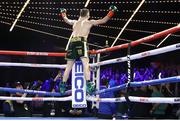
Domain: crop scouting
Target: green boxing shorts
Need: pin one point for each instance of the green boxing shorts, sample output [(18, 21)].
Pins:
[(77, 49)]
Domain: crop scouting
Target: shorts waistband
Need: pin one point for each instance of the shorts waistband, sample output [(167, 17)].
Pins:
[(75, 39)]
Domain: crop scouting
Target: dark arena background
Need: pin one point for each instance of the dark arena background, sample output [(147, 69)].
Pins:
[(41, 29)]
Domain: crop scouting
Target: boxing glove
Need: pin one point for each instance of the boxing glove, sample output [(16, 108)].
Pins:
[(63, 12), (112, 10)]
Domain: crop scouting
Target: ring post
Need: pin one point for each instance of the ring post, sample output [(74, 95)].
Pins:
[(96, 80), (78, 86), (129, 78)]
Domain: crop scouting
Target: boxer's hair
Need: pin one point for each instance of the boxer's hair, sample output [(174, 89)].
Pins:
[(84, 12)]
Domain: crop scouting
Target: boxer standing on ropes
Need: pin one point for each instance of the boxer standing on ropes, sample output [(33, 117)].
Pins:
[(77, 48)]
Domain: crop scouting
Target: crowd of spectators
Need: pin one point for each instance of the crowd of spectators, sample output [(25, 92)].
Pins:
[(110, 76), (154, 70), (151, 71)]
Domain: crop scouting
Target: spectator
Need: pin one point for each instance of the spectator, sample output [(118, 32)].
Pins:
[(138, 74), (107, 109), (123, 78), (167, 92), (8, 108), (122, 107), (17, 108), (36, 105), (158, 110), (143, 108)]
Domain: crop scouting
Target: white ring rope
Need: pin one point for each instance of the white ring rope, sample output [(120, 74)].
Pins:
[(172, 100), (36, 98), (112, 61), (140, 55), (33, 65)]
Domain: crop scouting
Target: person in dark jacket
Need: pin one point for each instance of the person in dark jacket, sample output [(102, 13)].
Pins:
[(143, 108), (16, 108), (8, 108)]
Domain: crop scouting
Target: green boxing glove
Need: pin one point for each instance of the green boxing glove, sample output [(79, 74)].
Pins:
[(113, 8), (63, 12)]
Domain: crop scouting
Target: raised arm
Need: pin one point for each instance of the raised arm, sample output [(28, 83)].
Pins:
[(64, 16), (112, 10)]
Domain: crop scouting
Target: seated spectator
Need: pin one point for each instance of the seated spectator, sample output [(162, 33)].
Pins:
[(8, 108), (143, 108), (148, 74), (158, 110), (107, 109), (16, 108), (112, 83), (36, 105), (123, 78), (167, 91), (138, 75), (178, 113), (122, 107)]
